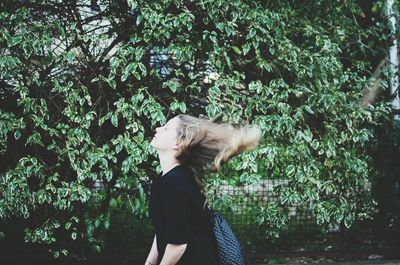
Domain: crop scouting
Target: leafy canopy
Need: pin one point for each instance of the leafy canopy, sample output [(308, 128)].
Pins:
[(84, 84)]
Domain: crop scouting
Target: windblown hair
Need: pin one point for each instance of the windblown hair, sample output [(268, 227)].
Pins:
[(207, 145)]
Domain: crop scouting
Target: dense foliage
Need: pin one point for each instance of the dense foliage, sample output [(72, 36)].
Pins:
[(85, 83)]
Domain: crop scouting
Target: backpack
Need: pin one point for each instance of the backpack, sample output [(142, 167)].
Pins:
[(229, 251)]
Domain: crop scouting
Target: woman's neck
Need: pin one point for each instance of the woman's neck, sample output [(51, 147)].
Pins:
[(168, 163)]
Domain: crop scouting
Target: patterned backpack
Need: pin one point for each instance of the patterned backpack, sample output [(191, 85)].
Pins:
[(229, 250)]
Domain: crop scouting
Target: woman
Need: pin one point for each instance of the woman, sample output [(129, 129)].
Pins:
[(187, 147)]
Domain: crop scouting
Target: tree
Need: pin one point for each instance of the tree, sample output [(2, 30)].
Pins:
[(83, 85)]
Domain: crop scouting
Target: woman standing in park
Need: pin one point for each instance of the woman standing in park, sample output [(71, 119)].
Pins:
[(187, 148)]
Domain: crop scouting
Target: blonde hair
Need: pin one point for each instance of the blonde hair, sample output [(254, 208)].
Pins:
[(207, 145)]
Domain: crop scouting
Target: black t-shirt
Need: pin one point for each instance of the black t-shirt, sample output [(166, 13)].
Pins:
[(176, 210)]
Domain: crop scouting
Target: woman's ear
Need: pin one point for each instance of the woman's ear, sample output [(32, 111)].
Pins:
[(179, 147), (178, 144)]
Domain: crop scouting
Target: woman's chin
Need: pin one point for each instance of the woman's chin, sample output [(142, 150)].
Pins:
[(153, 142)]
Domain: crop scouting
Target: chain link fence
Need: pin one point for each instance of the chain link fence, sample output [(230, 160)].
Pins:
[(245, 204)]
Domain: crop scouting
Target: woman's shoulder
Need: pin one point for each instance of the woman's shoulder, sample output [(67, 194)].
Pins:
[(179, 176)]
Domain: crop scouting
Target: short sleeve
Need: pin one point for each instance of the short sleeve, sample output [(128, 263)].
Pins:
[(177, 212)]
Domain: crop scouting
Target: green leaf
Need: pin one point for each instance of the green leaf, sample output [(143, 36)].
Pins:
[(114, 120), (70, 57), (14, 41), (236, 50), (17, 134), (246, 49), (68, 225), (251, 34), (142, 68), (308, 109), (290, 170), (348, 220)]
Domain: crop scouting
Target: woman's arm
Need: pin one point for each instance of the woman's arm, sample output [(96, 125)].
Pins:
[(173, 253), (153, 254)]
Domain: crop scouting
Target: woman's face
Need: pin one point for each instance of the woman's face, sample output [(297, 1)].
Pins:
[(166, 136)]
